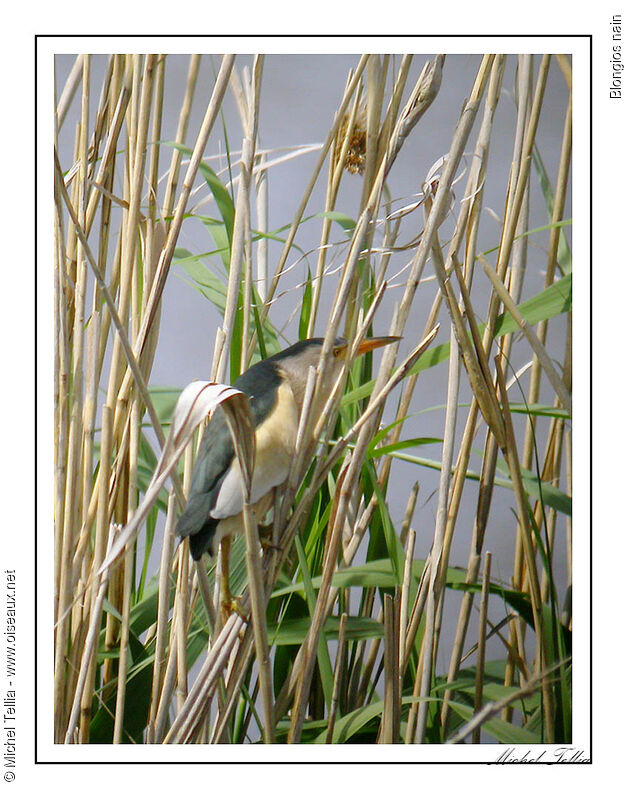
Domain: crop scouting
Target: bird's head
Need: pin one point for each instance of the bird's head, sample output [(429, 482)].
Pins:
[(297, 359)]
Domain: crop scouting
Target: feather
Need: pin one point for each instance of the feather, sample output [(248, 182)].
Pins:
[(216, 460)]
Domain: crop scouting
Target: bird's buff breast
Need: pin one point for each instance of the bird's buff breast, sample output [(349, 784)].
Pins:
[(275, 441)]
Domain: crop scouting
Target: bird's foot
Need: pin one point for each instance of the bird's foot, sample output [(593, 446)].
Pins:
[(269, 545), (233, 604), (265, 539)]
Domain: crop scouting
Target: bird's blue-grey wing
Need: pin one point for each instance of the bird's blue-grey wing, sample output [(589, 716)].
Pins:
[(215, 456), (216, 452), (216, 491)]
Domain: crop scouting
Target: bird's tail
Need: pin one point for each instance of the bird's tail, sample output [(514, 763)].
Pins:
[(196, 524), (202, 541)]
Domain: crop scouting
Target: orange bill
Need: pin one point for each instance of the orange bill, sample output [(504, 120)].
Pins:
[(368, 344)]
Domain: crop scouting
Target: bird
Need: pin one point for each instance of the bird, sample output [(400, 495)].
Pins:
[(276, 391)]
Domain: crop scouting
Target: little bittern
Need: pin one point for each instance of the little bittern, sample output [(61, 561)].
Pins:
[(276, 389)]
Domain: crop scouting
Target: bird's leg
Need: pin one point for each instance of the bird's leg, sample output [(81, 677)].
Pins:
[(226, 599), (229, 603), (225, 587)]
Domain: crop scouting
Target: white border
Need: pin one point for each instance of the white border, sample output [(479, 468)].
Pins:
[(441, 753)]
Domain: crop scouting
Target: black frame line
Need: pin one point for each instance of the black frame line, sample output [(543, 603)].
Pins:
[(304, 36)]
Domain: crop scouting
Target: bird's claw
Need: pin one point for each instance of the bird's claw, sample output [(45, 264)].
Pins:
[(233, 604), (268, 543)]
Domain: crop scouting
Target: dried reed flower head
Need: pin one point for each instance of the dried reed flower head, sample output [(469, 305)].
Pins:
[(355, 159)]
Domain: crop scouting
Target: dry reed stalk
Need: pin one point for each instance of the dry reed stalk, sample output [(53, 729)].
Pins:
[(163, 687), (155, 140), (167, 252), (511, 218), (237, 675), (527, 140), (137, 141), (72, 499), (101, 182), (62, 407), (162, 620), (481, 639), (338, 676), (261, 204), (245, 450), (511, 455), (167, 689), (412, 717), (486, 487), (391, 114), (404, 601), (103, 531), (476, 193), (205, 592), (134, 367), (534, 385), (391, 718), (258, 618), (543, 517), (180, 624), (336, 168), (437, 214), (358, 686), (69, 90), (535, 343), (565, 66), (241, 223), (181, 135), (120, 328), (376, 79), (303, 204), (61, 384), (247, 288), (248, 101), (416, 613), (403, 406), (365, 683), (196, 704), (123, 663), (362, 156), (310, 646), (436, 583), (429, 236), (138, 113), (474, 356), (103, 194), (557, 434), (424, 93), (137, 121), (557, 215), (85, 676), (90, 407)]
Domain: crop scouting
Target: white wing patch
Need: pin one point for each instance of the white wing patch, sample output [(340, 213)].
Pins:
[(275, 442)]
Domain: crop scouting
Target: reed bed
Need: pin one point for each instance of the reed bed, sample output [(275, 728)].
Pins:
[(340, 638)]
